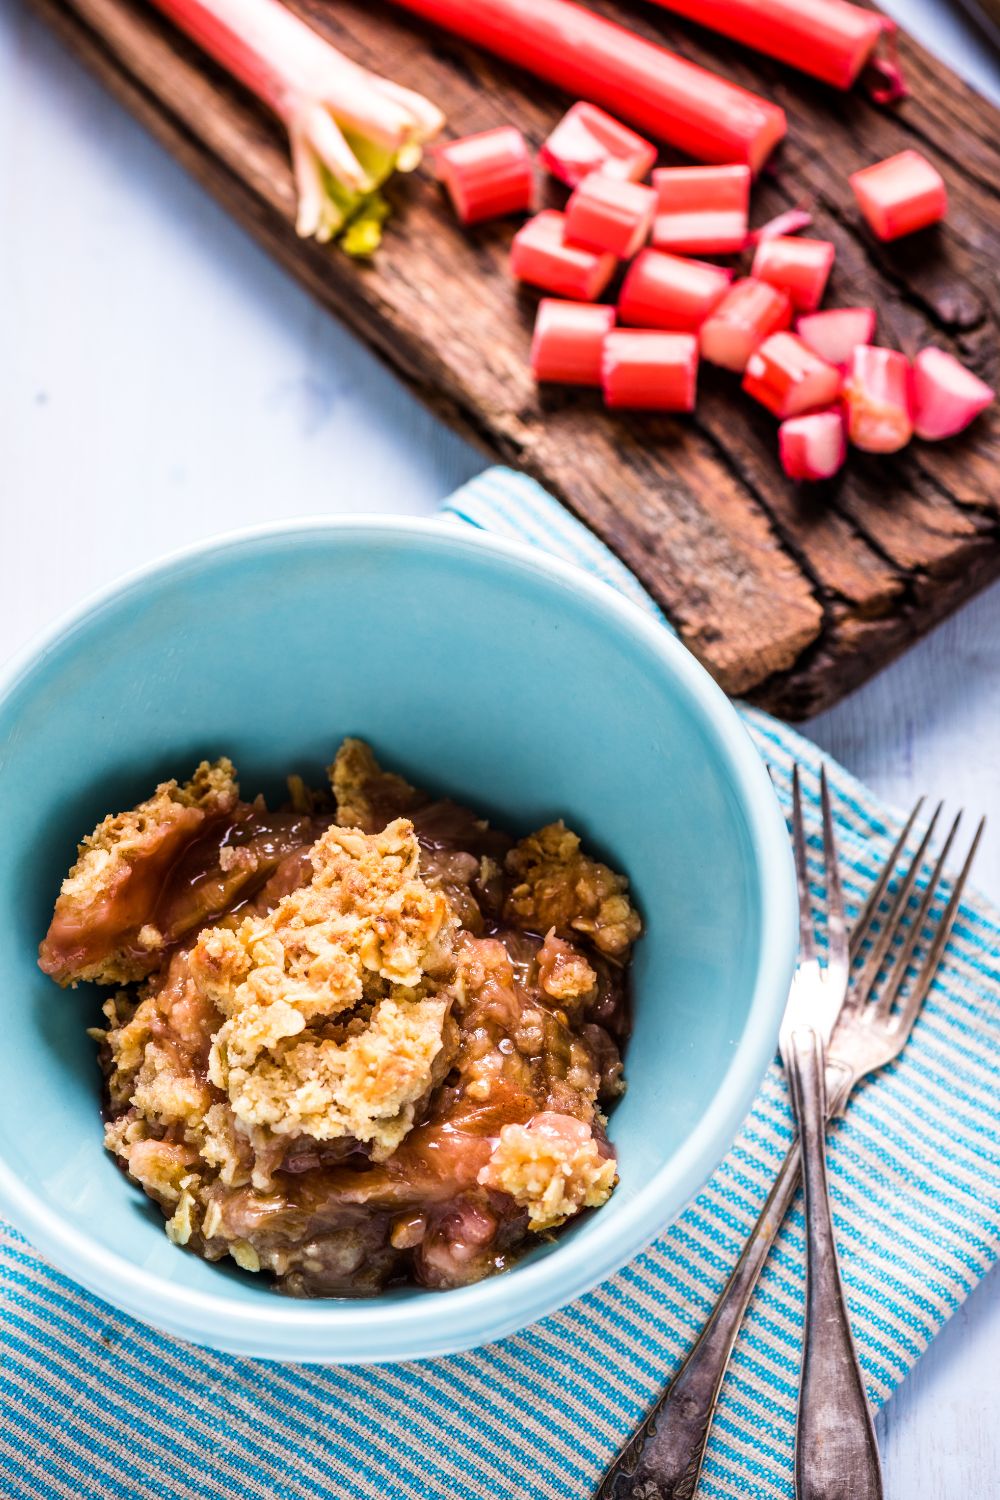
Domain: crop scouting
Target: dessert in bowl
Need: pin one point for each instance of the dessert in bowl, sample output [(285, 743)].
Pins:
[(359, 1039), (503, 681)]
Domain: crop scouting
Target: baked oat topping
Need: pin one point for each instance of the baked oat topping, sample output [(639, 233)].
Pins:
[(559, 886), (355, 1041), (553, 1166)]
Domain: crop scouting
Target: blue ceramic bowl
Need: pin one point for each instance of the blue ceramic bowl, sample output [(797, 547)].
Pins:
[(477, 666)]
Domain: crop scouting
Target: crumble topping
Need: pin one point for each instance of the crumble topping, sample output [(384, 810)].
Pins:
[(367, 796), (342, 1052), (552, 1166), (365, 919), (563, 973), (561, 887)]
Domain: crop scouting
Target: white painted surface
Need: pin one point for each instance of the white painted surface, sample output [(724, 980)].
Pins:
[(160, 380)]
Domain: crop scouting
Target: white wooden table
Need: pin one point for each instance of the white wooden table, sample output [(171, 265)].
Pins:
[(161, 380)]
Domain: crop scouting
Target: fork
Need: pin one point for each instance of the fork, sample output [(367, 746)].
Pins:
[(836, 1453), (662, 1458), (836, 1450)]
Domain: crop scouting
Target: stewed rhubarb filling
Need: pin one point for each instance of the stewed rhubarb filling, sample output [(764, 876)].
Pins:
[(360, 1040)]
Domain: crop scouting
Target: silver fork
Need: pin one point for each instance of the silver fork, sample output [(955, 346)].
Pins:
[(662, 1458), (836, 1451)]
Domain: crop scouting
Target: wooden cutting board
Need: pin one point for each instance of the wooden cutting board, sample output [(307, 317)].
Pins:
[(790, 598)]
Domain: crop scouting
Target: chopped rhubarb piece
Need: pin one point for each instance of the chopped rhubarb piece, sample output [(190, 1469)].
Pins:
[(835, 334), (946, 396), (900, 194), (814, 446), (540, 255), (568, 341), (877, 393), (748, 313), (790, 222), (789, 378), (488, 174), (650, 371), (701, 210), (664, 291), (605, 214), (800, 267), (588, 140)]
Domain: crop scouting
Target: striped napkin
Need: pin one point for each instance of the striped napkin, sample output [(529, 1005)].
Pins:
[(95, 1404)]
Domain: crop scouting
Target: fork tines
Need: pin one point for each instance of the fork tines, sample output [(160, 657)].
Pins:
[(895, 936)]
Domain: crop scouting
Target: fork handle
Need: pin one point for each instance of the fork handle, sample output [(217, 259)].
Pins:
[(836, 1452), (668, 1447), (663, 1457)]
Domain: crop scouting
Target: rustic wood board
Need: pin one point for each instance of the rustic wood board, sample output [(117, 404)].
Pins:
[(790, 599)]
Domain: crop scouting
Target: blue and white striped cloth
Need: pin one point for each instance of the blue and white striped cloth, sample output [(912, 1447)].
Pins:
[(95, 1404)]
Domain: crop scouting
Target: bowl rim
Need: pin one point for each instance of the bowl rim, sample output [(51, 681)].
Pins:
[(370, 1330)]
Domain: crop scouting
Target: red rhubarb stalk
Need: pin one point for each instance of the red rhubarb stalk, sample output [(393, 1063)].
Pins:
[(836, 333), (647, 371), (748, 314), (664, 291), (701, 210), (946, 396), (588, 140), (568, 341), (799, 266), (901, 194), (813, 447), (877, 396), (348, 128), (788, 378), (540, 255), (605, 214), (830, 39), (672, 100), (487, 174)]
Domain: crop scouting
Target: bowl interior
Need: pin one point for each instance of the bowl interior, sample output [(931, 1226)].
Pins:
[(474, 669)]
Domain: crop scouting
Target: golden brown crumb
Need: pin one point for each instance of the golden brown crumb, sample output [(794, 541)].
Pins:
[(367, 797), (563, 972), (365, 928), (552, 1167), (94, 934), (560, 887), (366, 1087)]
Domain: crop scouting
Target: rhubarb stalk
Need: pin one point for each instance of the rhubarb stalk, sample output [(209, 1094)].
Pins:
[(701, 210), (676, 102), (878, 398), (787, 378), (540, 255), (900, 194), (488, 174), (568, 341), (814, 446), (946, 396), (588, 140), (348, 128), (748, 314), (646, 371), (830, 39), (606, 214)]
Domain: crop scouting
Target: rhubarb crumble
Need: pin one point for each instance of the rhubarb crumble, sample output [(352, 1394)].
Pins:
[(362, 1039)]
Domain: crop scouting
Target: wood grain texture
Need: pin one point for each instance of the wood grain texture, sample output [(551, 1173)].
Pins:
[(790, 599)]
